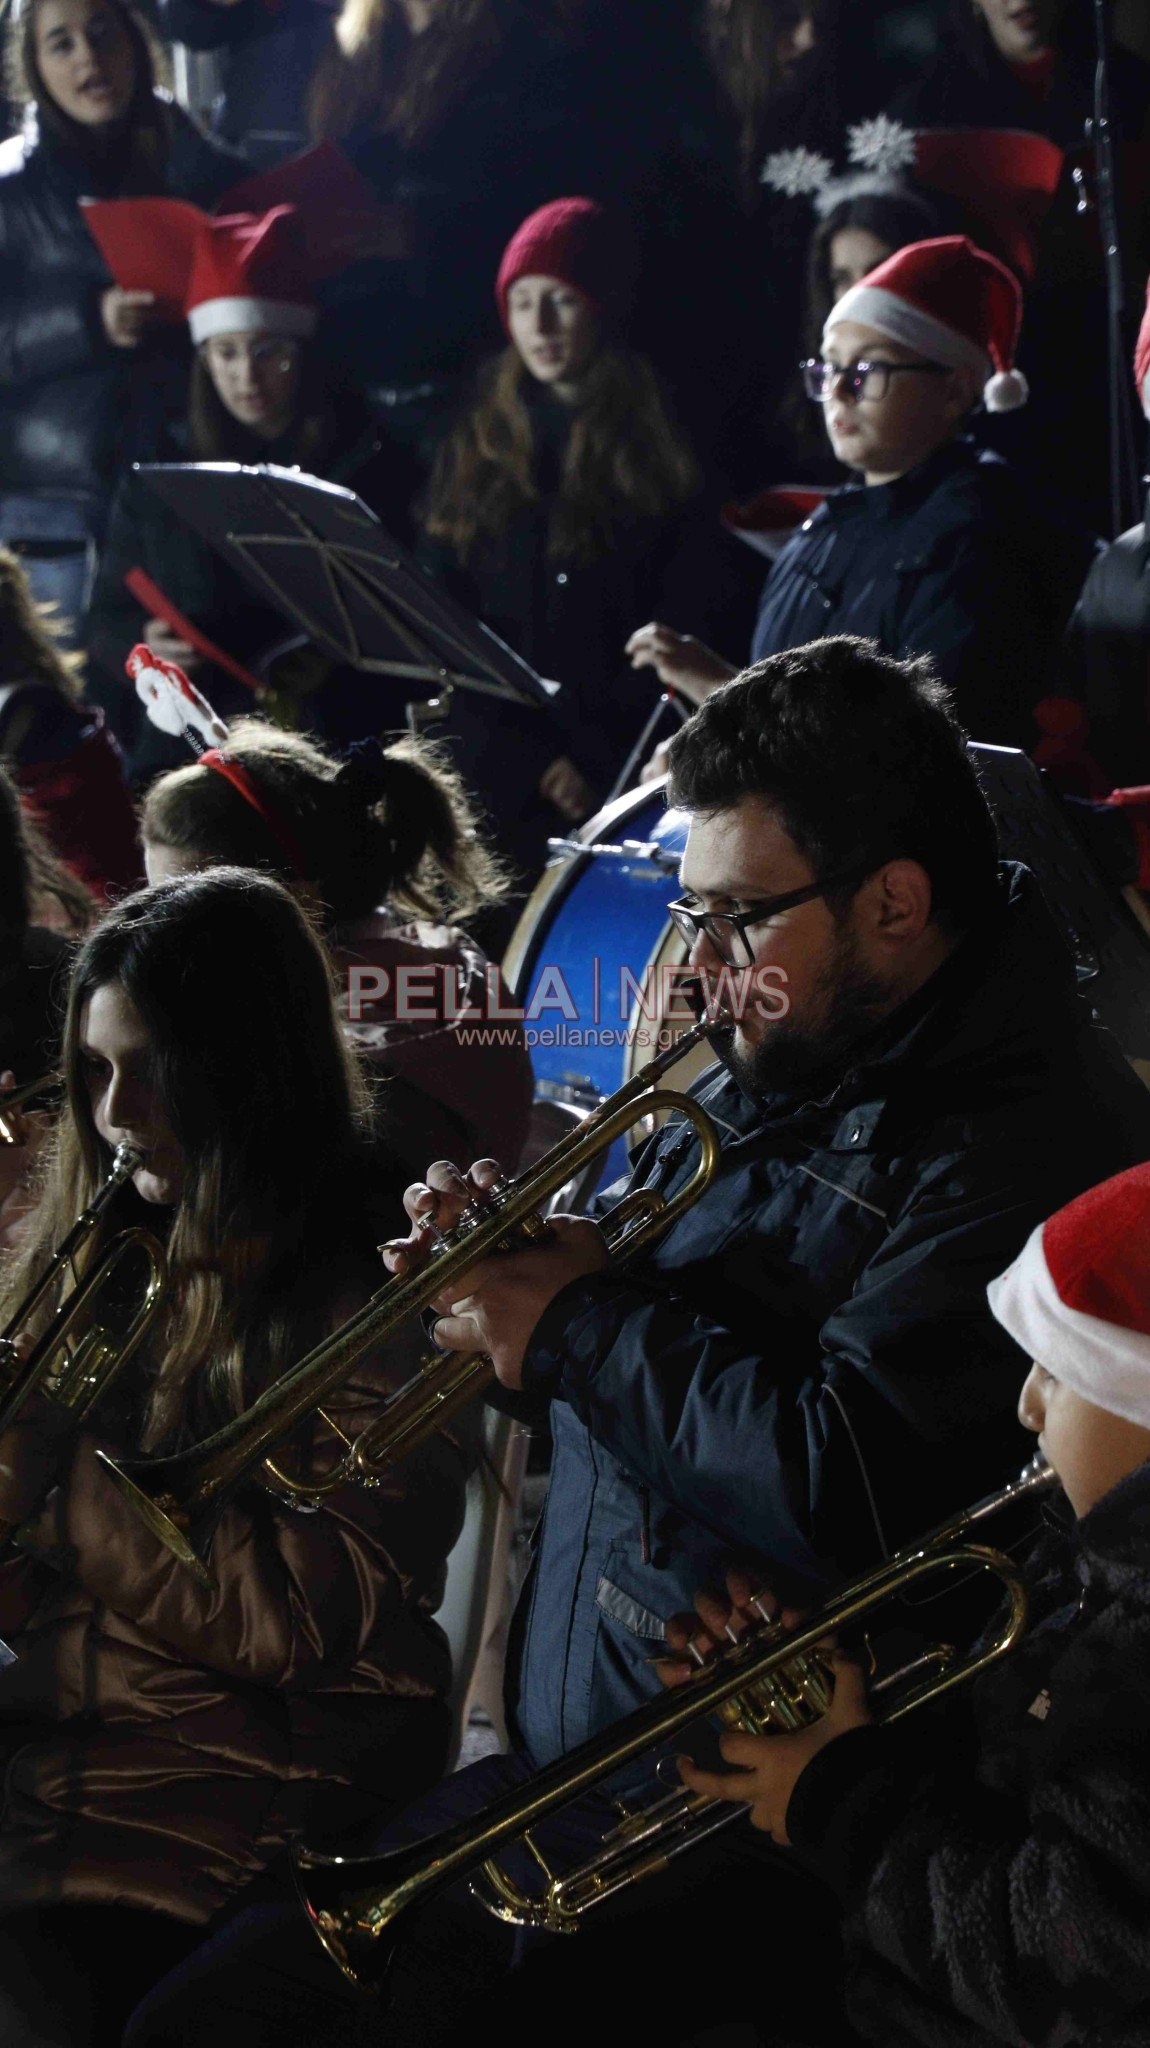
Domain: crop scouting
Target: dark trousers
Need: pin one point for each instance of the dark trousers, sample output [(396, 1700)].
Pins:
[(70, 1975), (712, 1942)]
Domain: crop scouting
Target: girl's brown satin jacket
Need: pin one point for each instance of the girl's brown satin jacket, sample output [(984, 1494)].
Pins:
[(162, 1743)]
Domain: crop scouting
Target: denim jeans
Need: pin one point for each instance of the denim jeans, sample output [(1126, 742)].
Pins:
[(55, 539)]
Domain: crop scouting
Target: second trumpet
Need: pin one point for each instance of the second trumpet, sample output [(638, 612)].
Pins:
[(180, 1497)]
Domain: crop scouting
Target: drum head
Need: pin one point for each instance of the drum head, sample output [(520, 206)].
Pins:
[(595, 960)]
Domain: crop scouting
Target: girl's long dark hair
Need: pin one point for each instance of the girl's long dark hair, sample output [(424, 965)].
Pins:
[(624, 460), (132, 152), (894, 214), (391, 825), (742, 41), (268, 1109), (374, 74)]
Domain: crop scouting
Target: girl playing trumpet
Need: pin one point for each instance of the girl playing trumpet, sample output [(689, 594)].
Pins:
[(162, 1741)]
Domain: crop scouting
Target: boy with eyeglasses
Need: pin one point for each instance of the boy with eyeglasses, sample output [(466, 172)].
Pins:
[(935, 546)]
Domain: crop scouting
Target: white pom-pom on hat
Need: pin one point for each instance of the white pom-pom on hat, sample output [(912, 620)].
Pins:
[(953, 302), (1006, 391)]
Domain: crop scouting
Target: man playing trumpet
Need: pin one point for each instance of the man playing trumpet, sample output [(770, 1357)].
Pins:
[(804, 1374)]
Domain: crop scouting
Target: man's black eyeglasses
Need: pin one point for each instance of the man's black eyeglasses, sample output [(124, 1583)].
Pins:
[(863, 380), (722, 927)]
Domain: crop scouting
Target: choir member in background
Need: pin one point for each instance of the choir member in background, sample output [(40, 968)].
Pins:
[(261, 390), (939, 547), (73, 346), (564, 496)]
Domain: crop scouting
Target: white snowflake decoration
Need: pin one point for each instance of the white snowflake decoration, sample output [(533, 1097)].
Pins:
[(882, 145), (796, 172)]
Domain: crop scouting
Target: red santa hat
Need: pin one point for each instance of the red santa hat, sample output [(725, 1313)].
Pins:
[(572, 240), (954, 303), (248, 276), (1004, 179), (240, 272), (1142, 359), (1077, 1298)]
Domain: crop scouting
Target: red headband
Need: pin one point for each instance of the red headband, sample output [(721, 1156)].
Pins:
[(280, 830)]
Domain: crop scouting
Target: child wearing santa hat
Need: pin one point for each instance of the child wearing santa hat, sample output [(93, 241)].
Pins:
[(260, 391), (936, 546), (994, 1858)]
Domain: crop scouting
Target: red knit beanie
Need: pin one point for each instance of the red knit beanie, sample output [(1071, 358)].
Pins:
[(1077, 1297), (571, 240)]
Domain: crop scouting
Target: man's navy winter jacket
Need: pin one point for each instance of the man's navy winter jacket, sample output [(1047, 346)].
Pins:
[(806, 1371), (956, 560)]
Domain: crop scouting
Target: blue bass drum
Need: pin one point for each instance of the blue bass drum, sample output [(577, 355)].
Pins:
[(596, 961)]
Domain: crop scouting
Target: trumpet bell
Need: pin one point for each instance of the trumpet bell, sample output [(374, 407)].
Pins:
[(360, 1929)]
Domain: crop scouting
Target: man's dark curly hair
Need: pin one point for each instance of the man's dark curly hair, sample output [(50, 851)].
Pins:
[(864, 761)]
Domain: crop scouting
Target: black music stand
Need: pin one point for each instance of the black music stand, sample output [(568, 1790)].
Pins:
[(1111, 948), (316, 553)]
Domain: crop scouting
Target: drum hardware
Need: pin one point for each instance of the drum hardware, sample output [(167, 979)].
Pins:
[(663, 858)]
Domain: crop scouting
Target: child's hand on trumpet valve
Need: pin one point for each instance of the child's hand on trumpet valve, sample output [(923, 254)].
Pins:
[(768, 1766)]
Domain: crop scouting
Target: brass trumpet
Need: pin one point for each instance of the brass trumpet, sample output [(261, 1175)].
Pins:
[(180, 1497), (76, 1357), (765, 1680)]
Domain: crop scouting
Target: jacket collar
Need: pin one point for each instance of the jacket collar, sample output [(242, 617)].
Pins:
[(906, 494)]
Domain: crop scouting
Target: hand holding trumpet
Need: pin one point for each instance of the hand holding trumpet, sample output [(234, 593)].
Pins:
[(503, 1297), (768, 1766)]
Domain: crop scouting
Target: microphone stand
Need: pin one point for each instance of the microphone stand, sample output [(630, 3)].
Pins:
[(1124, 478)]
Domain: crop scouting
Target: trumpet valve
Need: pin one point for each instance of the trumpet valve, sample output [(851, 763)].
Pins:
[(78, 1379)]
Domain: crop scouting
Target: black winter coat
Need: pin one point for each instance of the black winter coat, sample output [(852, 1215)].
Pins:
[(999, 1857), (571, 619), (65, 392), (807, 1370), (957, 560)]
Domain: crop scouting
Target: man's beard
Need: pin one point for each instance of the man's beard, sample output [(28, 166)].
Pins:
[(795, 1058)]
